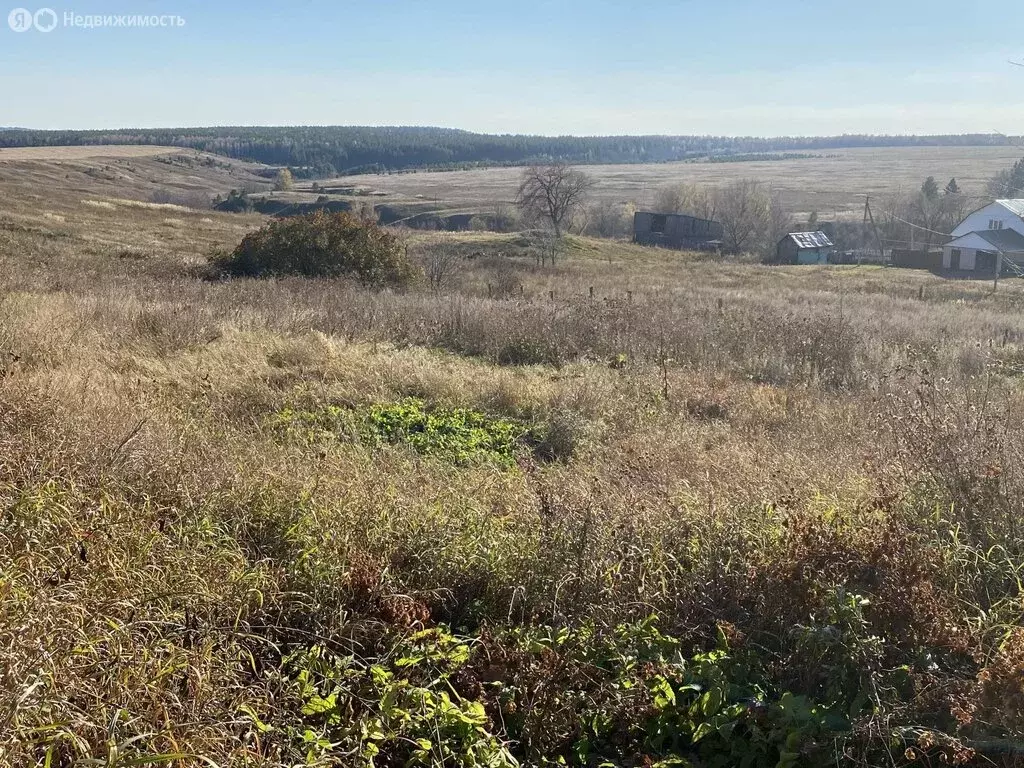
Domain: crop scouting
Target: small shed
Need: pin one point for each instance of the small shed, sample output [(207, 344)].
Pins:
[(675, 230), (804, 248)]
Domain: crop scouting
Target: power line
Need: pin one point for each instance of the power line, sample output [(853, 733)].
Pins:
[(918, 226), (898, 240)]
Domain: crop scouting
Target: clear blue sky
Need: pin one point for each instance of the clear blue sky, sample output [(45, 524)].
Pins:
[(733, 67)]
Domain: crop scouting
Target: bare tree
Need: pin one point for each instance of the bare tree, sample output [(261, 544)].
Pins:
[(955, 207), (752, 215), (440, 266), (553, 192), (608, 219), (691, 199), (744, 208), (778, 223), (928, 216), (917, 220), (504, 217)]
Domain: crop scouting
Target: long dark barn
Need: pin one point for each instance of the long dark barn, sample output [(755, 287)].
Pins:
[(676, 230)]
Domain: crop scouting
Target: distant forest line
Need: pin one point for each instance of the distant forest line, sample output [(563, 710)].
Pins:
[(348, 150)]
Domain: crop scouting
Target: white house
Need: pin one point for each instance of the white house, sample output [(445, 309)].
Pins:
[(995, 231)]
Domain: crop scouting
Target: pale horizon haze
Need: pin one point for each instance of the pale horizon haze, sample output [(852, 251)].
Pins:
[(594, 68)]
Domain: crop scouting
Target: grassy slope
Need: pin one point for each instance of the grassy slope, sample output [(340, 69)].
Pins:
[(85, 153), (736, 449)]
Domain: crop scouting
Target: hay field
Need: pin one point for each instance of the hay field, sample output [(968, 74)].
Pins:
[(833, 184)]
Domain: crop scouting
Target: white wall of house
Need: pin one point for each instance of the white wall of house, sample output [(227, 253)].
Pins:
[(968, 258), (981, 219)]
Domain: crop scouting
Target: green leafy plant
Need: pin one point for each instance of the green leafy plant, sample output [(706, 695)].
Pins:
[(403, 711), (588, 697), (458, 435), (839, 646)]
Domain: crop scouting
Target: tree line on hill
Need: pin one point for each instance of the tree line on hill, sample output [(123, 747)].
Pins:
[(323, 151)]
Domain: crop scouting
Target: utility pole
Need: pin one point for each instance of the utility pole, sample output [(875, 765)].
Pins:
[(869, 217), (865, 222), (999, 268)]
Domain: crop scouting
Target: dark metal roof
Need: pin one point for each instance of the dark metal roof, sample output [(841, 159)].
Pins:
[(1003, 239), (811, 239), (674, 216)]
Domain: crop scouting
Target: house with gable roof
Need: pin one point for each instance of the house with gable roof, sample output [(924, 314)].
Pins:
[(989, 237)]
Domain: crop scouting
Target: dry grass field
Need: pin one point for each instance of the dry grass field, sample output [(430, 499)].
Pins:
[(65, 177), (833, 183), (83, 153), (645, 509)]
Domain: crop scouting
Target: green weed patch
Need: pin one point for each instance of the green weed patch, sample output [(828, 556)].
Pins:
[(460, 436), (552, 697)]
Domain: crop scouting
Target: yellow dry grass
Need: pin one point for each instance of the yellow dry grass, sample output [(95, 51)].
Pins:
[(11, 154), (833, 182)]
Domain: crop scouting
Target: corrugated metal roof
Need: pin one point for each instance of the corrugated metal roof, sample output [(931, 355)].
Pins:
[(1004, 239), (1015, 206), (811, 239), (963, 240)]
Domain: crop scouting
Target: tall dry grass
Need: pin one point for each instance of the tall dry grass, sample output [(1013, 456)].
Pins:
[(719, 445)]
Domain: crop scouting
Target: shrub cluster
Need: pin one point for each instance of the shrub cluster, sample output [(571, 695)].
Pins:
[(322, 244)]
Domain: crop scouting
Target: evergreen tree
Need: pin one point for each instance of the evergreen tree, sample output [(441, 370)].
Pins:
[(1008, 184), (930, 189)]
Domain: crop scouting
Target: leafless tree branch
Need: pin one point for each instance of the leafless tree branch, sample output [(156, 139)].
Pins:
[(553, 192)]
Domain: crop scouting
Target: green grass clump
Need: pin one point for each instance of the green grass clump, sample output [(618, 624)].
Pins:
[(460, 436)]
